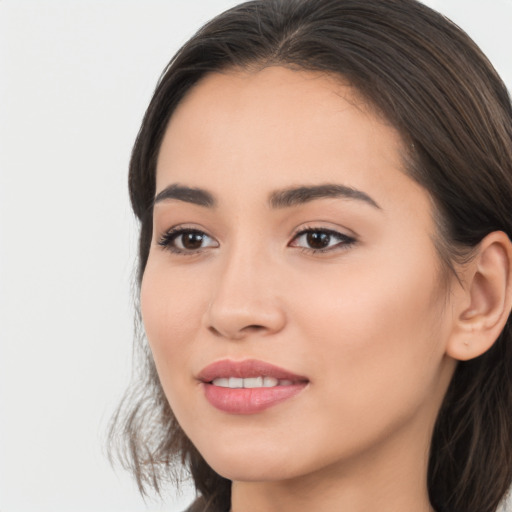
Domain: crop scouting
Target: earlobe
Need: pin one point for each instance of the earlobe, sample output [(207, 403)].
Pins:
[(486, 299)]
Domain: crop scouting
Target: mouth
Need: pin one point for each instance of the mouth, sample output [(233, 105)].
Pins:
[(251, 382), (249, 386)]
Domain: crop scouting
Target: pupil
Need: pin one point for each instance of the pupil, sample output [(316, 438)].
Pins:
[(192, 240), (318, 240)]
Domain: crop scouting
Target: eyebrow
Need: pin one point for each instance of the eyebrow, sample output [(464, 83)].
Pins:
[(187, 194), (293, 196), (284, 198)]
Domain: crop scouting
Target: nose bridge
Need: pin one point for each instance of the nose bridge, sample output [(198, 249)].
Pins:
[(244, 298)]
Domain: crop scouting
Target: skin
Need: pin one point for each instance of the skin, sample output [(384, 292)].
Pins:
[(367, 322)]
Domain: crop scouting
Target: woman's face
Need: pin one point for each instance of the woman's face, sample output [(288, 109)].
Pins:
[(287, 234)]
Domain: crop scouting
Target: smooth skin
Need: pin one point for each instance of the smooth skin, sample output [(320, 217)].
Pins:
[(372, 320)]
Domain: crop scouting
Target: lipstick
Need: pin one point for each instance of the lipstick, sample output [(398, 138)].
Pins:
[(249, 386)]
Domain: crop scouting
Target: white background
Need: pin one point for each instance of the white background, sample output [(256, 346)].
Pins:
[(75, 78)]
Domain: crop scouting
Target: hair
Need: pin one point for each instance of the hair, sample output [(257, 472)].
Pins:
[(430, 81)]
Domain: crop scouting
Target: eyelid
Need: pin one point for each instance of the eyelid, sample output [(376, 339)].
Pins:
[(166, 239), (345, 240)]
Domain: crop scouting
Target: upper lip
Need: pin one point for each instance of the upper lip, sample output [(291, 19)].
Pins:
[(246, 369)]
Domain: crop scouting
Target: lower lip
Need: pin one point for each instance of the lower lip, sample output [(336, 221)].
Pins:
[(249, 400)]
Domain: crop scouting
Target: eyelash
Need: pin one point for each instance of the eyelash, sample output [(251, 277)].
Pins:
[(168, 240), (344, 241)]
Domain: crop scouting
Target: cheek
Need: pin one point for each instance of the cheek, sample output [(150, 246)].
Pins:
[(377, 332), (171, 315)]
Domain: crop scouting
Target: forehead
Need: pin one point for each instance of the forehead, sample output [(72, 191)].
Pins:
[(269, 86), (268, 97), (280, 127)]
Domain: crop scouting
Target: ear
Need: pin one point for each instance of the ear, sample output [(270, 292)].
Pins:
[(483, 303)]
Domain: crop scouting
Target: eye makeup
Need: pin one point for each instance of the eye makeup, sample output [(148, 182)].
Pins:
[(186, 240)]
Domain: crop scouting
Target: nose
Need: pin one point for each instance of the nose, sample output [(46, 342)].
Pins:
[(245, 299)]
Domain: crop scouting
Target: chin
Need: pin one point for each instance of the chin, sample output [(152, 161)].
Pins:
[(244, 471), (251, 465)]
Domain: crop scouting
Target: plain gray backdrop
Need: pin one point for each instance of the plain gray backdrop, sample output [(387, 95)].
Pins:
[(75, 79)]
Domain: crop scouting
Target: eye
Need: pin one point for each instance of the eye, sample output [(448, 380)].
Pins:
[(321, 240), (186, 240)]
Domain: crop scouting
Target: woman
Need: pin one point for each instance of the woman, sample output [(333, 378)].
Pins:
[(324, 191)]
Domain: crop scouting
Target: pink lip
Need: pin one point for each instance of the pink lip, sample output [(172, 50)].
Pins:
[(246, 369), (251, 400)]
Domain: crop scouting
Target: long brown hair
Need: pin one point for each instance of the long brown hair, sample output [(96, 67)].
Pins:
[(432, 83)]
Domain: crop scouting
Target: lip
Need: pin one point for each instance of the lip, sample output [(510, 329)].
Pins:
[(246, 369), (248, 400)]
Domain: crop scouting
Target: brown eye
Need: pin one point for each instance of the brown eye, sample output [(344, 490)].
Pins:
[(191, 241), (318, 239), (186, 241), (321, 240)]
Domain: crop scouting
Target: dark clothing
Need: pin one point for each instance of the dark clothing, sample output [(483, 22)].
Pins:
[(200, 506)]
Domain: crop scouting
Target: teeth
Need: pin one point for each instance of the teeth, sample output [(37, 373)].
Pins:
[(223, 383), (251, 382), (234, 382), (269, 382)]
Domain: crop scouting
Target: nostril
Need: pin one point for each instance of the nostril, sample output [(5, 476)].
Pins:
[(228, 317), (239, 332), (214, 331), (251, 328)]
